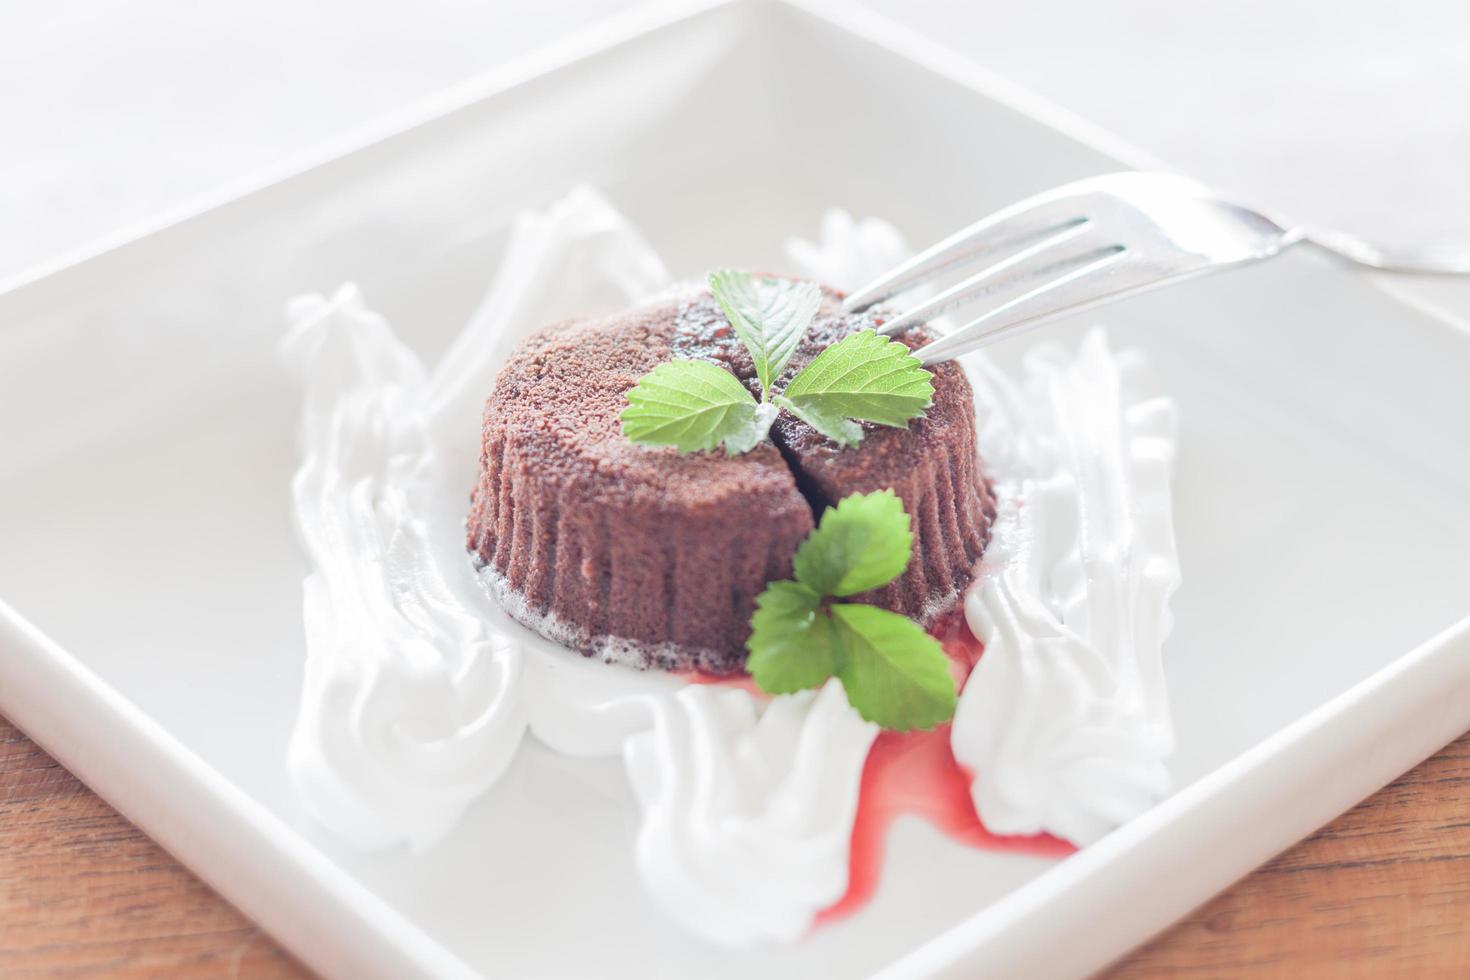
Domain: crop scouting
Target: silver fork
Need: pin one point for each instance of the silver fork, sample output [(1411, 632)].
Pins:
[(1076, 247)]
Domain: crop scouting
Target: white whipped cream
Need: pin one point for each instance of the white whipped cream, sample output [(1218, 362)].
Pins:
[(419, 690), (730, 793), (410, 707), (1065, 721)]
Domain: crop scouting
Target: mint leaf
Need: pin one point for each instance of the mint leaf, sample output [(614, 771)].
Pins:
[(746, 439), (770, 316), (694, 405), (793, 645), (895, 674), (842, 431), (862, 543), (863, 376)]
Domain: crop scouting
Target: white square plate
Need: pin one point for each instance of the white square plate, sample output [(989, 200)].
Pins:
[(147, 447)]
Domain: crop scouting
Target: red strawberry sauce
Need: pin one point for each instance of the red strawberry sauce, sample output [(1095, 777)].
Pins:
[(916, 772)]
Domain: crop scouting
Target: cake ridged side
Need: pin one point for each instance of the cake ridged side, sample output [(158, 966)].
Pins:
[(951, 507), (934, 469), (615, 589)]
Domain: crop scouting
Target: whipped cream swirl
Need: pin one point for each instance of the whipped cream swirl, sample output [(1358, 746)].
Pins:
[(730, 792), (1065, 721), (410, 707)]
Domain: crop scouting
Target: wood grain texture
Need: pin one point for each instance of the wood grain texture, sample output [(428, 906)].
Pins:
[(1383, 891), (83, 893)]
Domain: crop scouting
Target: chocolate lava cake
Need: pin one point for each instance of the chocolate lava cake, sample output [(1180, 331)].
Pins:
[(640, 555)]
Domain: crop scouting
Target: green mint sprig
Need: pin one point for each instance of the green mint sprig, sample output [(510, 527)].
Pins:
[(770, 316), (862, 378), (695, 405), (895, 673)]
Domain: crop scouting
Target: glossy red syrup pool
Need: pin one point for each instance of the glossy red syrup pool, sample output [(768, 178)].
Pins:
[(916, 772)]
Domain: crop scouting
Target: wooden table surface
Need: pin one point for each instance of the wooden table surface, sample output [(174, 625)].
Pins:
[(1382, 891)]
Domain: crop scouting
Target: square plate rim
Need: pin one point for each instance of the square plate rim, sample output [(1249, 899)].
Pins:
[(384, 942)]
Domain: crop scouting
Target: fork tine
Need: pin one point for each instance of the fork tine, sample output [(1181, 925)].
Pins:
[(1042, 304), (1021, 265), (1017, 227)]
